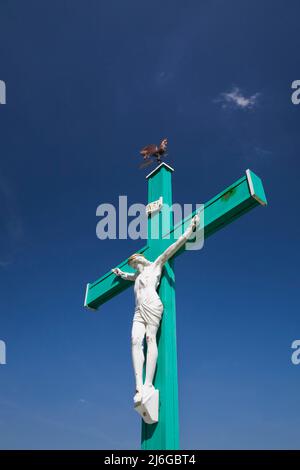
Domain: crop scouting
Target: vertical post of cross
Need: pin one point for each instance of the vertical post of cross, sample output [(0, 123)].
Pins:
[(165, 433)]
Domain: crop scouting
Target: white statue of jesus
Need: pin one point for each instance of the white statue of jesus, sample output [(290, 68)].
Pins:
[(148, 311)]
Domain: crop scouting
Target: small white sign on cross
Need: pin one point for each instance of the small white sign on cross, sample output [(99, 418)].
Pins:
[(154, 206)]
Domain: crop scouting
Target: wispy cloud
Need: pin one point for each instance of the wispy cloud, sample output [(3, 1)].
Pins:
[(162, 78), (262, 153), (236, 99)]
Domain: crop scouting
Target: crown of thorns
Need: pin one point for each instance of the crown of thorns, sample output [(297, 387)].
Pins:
[(134, 256)]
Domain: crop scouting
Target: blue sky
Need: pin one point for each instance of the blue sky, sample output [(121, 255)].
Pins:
[(88, 84)]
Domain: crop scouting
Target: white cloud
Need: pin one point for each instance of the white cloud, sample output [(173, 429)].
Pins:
[(236, 99)]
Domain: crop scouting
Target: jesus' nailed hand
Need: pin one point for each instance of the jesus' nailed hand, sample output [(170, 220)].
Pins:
[(149, 310)]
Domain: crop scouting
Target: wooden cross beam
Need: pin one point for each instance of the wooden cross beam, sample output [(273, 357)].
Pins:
[(237, 199)]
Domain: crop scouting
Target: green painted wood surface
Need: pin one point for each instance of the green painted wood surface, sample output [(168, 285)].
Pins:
[(165, 433), (219, 211), (259, 191)]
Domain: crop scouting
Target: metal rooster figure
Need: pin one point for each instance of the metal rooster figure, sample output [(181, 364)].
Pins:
[(154, 153)]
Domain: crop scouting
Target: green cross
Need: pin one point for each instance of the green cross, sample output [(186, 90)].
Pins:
[(237, 199)]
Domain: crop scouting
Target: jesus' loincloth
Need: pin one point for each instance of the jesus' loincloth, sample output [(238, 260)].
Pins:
[(149, 312)]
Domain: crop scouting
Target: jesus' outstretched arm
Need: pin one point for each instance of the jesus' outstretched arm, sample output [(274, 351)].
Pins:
[(172, 249), (124, 275)]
